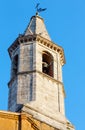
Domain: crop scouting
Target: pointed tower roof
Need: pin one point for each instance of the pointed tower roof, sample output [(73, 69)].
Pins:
[(36, 31), (37, 26)]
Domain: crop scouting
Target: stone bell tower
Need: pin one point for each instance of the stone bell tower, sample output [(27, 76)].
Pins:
[(36, 85)]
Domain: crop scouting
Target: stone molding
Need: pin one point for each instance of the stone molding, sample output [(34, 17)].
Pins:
[(36, 37), (60, 125), (34, 71)]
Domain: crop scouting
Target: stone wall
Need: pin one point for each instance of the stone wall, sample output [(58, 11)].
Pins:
[(22, 86)]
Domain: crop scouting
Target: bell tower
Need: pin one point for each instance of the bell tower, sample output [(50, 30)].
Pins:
[(36, 85)]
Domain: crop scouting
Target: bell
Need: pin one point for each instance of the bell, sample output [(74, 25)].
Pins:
[(45, 65)]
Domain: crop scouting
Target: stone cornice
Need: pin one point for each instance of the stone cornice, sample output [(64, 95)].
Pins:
[(52, 46), (36, 37), (13, 46), (45, 42)]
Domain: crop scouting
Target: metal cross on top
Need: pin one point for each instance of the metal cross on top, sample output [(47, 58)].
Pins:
[(38, 10)]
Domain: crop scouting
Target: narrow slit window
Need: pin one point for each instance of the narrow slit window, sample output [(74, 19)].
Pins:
[(15, 66)]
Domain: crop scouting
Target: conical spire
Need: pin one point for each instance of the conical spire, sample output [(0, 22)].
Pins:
[(37, 26)]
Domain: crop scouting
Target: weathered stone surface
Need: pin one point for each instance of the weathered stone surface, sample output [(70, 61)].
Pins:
[(37, 26), (26, 58), (26, 88)]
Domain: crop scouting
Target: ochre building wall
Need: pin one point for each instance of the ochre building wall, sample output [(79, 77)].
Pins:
[(21, 121)]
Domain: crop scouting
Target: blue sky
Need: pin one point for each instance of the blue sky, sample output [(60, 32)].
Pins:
[(65, 22)]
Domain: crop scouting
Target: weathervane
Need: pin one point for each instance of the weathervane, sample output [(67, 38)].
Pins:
[(38, 10)]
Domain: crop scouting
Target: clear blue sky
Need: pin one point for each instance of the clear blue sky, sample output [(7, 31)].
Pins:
[(65, 22)]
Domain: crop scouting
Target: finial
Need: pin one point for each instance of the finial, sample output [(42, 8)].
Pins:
[(38, 10), (36, 13)]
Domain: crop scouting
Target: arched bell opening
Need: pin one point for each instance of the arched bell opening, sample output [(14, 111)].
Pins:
[(47, 63)]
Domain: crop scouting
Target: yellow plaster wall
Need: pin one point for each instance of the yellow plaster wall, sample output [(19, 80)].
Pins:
[(21, 121), (8, 121), (8, 124)]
